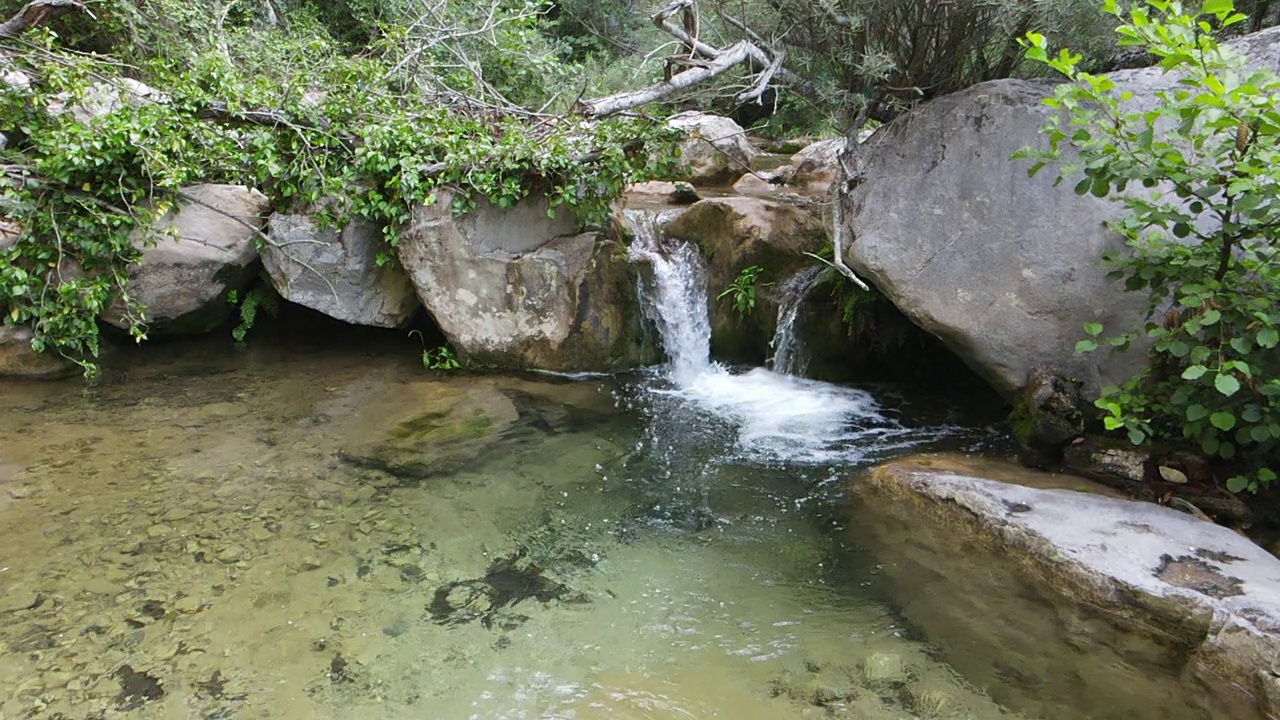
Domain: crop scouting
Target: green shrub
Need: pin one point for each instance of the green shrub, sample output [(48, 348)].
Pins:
[(1199, 176)]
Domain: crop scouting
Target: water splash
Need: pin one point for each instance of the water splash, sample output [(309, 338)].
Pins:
[(769, 416), (786, 345)]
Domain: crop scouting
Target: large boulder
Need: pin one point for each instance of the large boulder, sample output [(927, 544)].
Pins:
[(735, 233), (716, 150), (1005, 269), (192, 257), (336, 272), (515, 288), (1106, 606), (17, 359)]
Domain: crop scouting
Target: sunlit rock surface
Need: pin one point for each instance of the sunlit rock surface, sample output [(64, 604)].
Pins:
[(716, 150), (1009, 564)]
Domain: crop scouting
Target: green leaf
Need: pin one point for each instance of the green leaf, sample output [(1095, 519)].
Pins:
[(1093, 329), (1085, 346), (1195, 372), (1228, 385), (1237, 484), (1268, 338), (1217, 7), (1196, 412), (1224, 420)]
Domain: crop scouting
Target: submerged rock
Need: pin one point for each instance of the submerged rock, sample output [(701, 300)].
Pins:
[(337, 272), (516, 288), (716, 151), (1094, 601), (17, 359), (192, 257)]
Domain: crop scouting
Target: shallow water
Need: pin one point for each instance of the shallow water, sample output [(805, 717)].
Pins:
[(283, 533)]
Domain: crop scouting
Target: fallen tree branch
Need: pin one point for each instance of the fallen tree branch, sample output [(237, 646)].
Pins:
[(36, 13), (766, 64), (222, 113), (635, 98)]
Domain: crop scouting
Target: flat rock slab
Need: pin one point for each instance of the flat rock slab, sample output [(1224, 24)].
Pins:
[(1075, 604)]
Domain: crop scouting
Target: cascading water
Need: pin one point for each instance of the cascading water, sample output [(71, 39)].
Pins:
[(786, 346), (773, 417)]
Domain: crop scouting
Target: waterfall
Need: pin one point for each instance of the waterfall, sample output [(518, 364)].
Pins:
[(785, 344), (771, 416), (678, 302)]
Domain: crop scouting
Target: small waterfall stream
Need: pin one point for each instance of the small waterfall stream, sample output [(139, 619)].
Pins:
[(775, 417), (787, 349)]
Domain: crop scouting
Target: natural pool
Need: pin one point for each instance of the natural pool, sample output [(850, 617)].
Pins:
[(283, 532)]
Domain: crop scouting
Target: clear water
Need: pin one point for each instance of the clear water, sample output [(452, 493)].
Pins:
[(293, 533)]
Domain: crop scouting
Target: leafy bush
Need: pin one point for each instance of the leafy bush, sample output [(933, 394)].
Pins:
[(84, 194), (1199, 176)]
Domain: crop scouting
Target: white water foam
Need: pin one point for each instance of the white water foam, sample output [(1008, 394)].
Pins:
[(776, 417)]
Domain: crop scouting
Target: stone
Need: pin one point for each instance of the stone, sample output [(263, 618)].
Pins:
[(715, 151), (880, 668), (816, 166), (232, 553), (663, 191), (104, 98), (337, 272), (1098, 601), (1172, 475), (518, 289), (735, 233), (1107, 459), (1047, 416), (17, 359), (13, 600), (756, 183), (1005, 269), (192, 257)]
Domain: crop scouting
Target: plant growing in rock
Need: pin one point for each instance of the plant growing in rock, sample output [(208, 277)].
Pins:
[(742, 291), (1199, 176)]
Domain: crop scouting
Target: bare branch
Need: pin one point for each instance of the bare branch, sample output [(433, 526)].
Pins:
[(36, 13), (614, 104)]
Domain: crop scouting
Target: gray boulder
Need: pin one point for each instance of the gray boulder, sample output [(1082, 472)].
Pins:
[(1108, 607), (815, 167), (1004, 269), (716, 150), (17, 359), (192, 257), (514, 288), (336, 272)]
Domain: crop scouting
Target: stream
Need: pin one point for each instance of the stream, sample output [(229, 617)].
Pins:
[(317, 528)]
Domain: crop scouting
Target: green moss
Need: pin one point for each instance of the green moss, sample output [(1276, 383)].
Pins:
[(432, 426)]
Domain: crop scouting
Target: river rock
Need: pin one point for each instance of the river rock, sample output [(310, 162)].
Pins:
[(516, 288), (716, 150), (1005, 269), (1097, 601), (738, 232), (1046, 417), (192, 257), (17, 359), (337, 272), (104, 98), (816, 166)]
